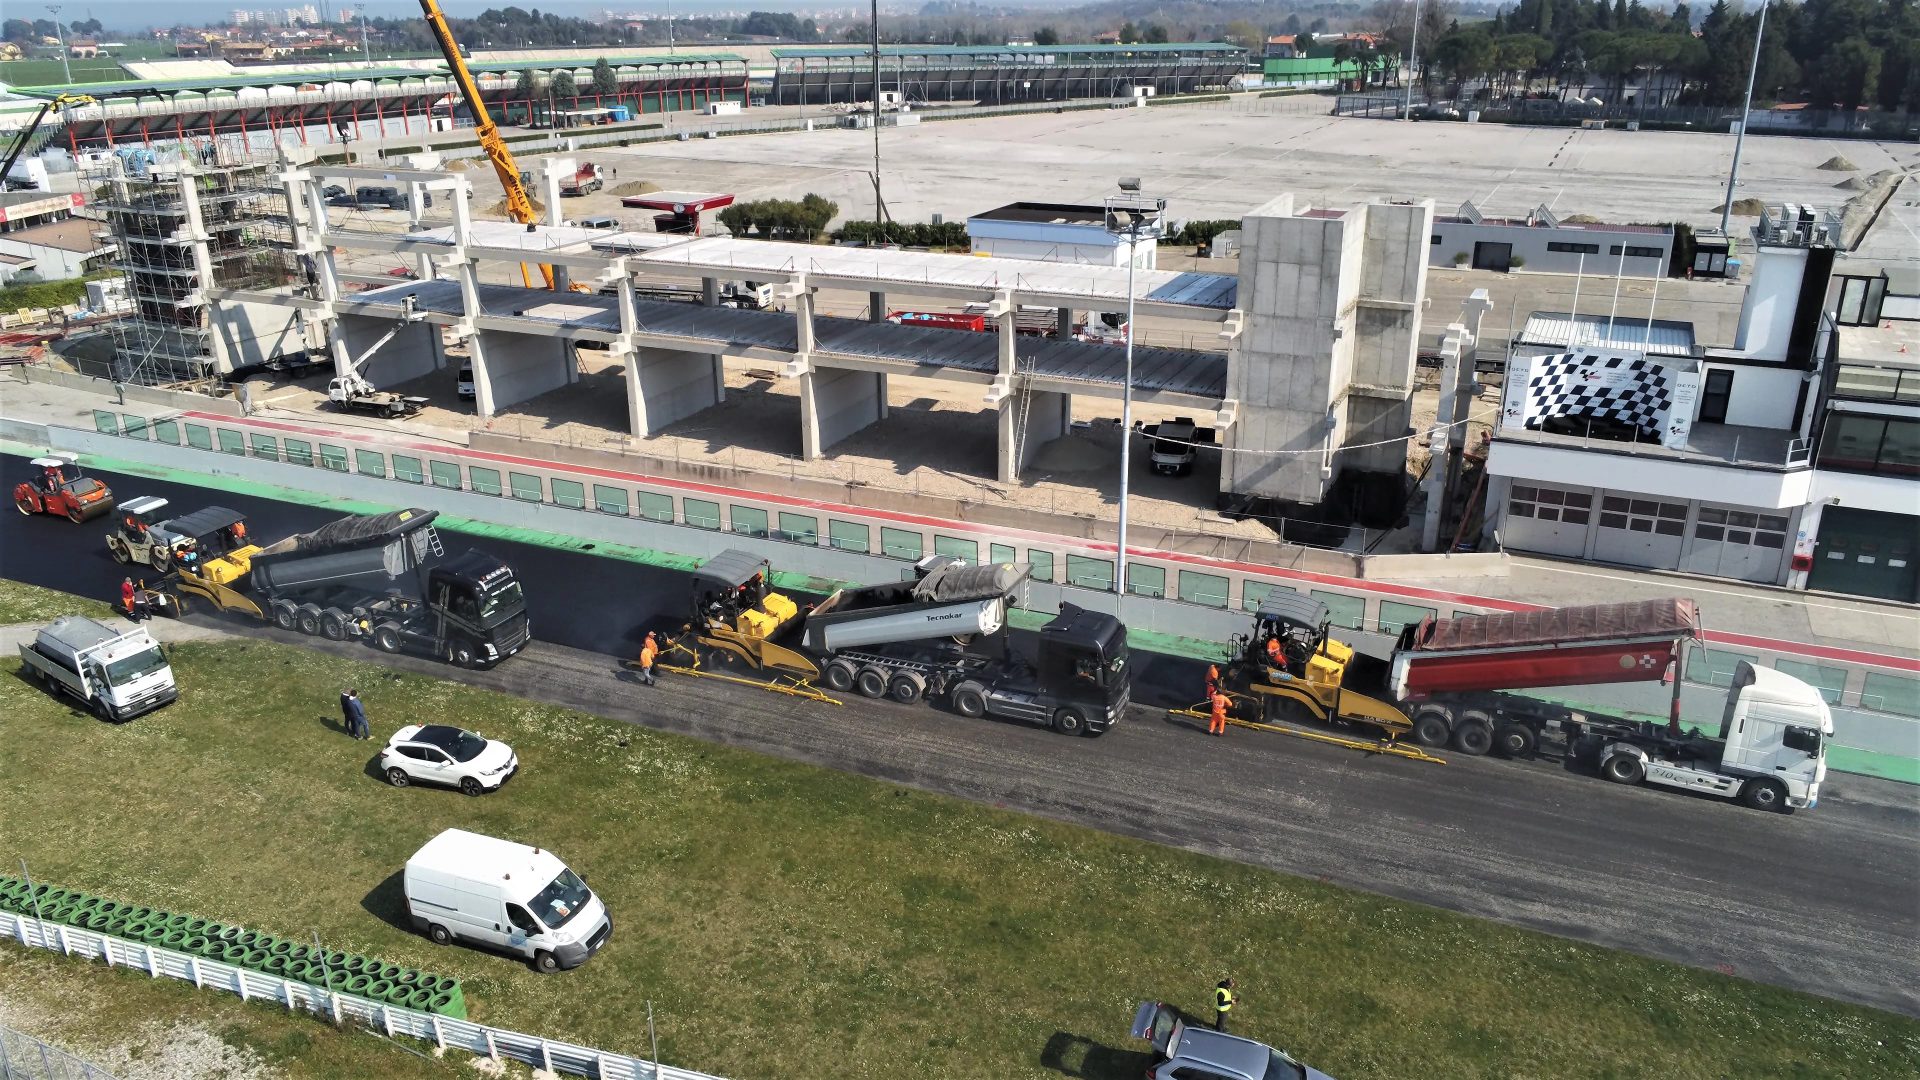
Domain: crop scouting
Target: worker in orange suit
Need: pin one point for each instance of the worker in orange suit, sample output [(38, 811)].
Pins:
[(649, 652), (1275, 656), (1213, 681), (1217, 723)]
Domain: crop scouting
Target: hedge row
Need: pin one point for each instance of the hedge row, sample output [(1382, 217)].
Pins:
[(361, 976)]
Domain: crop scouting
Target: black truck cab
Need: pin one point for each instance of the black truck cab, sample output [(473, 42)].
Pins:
[(479, 609), (1078, 683)]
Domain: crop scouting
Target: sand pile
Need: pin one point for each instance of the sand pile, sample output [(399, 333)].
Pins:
[(1581, 219), (1836, 163), (1744, 207), (499, 209), (1074, 454), (634, 187), (1853, 183)]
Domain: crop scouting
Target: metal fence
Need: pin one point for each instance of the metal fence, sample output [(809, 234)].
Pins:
[(1648, 113), (442, 1031), (23, 1057)]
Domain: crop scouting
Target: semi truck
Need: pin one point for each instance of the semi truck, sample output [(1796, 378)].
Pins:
[(383, 578), (119, 674), (940, 636), (584, 181), (1450, 682)]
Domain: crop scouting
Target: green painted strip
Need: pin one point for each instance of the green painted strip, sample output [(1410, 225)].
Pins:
[(1871, 763)]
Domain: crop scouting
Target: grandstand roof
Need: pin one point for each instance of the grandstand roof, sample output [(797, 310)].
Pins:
[(975, 50)]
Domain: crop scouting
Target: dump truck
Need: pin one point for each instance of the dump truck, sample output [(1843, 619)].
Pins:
[(383, 578), (584, 181), (119, 674), (941, 636), (1450, 682)]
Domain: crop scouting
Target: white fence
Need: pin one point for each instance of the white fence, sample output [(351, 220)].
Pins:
[(23, 1057), (251, 985)]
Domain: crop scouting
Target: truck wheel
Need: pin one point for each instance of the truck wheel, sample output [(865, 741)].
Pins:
[(1431, 726), (1473, 737), (386, 637), (1623, 769), (1765, 794), (308, 616), (1516, 741), (118, 549), (840, 676), (907, 687), (333, 624), (284, 616), (1070, 721), (969, 700), (440, 934), (871, 682), (461, 653), (544, 962)]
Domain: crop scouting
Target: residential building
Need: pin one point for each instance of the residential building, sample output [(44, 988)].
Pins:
[(40, 234), (1543, 242), (1620, 451)]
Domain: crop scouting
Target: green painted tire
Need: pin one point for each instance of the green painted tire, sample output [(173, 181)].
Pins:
[(195, 944), (173, 939), (378, 989), (420, 1000), (282, 947), (98, 922), (133, 930), (409, 978), (441, 1003), (399, 994), (232, 954), (195, 925), (255, 958), (178, 922), (156, 933), (357, 985)]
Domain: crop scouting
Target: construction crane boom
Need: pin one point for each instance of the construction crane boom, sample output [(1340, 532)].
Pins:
[(61, 103), (519, 203)]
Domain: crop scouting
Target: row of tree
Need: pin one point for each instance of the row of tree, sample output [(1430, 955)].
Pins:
[(780, 219)]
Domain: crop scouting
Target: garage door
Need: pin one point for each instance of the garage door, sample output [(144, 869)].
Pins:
[(1866, 553), (1733, 543), (1640, 532), (1552, 521)]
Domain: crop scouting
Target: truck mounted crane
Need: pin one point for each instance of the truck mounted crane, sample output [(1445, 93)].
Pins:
[(519, 203)]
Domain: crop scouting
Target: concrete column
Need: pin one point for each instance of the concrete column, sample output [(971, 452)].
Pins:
[(524, 366), (569, 358), (1009, 333), (710, 291), (665, 386), (876, 307), (1440, 438), (196, 228), (416, 220), (552, 170), (477, 352), (1029, 421), (1063, 324), (835, 403)]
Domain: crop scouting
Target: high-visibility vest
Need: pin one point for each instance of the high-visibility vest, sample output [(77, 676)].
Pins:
[(1222, 999), (646, 656)]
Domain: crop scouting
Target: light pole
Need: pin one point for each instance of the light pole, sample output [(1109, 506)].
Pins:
[(62, 39), (1746, 113), (1136, 217), (366, 52), (1413, 62)]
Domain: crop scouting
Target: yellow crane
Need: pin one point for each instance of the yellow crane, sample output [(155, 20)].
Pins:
[(60, 103), (519, 203)]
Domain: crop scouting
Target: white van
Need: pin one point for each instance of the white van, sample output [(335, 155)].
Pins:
[(507, 897)]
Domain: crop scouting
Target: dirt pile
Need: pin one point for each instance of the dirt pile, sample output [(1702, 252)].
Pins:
[(1836, 163), (634, 187), (499, 209), (1744, 207)]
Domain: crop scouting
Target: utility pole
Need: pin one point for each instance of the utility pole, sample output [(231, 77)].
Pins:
[(1127, 216), (62, 39), (878, 206), (1746, 113), (1413, 62), (366, 52)]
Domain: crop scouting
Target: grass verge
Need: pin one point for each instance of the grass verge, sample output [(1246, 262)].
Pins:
[(26, 604), (780, 916)]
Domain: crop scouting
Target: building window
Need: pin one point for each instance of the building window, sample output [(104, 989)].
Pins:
[(525, 487), (1208, 589), (485, 481), (1643, 515), (701, 514), (847, 536), (1575, 249), (900, 544), (610, 500), (1000, 553), (1881, 445), (408, 469), (1394, 615), (106, 423), (1635, 252), (656, 507), (799, 528), (445, 474), (1890, 693), (299, 451), (1742, 527), (1829, 680), (750, 521), (1553, 504), (1347, 612), (955, 548), (265, 446), (1042, 563), (369, 463), (1865, 382), (136, 426), (231, 443), (1145, 579), (571, 494), (197, 437), (1714, 667), (1434, 240), (167, 431), (335, 457), (1090, 573)]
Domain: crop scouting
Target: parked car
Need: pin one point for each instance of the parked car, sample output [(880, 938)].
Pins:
[(1190, 1053), (447, 756)]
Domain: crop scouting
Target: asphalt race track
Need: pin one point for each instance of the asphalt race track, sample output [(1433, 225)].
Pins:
[(1826, 901)]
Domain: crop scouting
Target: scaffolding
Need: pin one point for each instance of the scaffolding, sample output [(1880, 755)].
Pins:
[(183, 228)]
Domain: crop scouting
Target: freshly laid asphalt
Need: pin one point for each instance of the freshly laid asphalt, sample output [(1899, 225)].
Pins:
[(1826, 901)]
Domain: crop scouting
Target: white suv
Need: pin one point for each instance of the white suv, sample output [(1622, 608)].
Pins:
[(448, 756)]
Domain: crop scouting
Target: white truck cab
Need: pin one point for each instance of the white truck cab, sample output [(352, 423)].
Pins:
[(506, 897), (118, 674)]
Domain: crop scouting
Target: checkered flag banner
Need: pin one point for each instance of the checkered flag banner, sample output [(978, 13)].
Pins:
[(1627, 389)]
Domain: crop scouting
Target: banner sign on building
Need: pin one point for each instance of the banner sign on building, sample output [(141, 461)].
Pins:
[(1617, 395)]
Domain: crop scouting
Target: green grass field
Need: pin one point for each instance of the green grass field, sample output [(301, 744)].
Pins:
[(790, 921), (49, 73)]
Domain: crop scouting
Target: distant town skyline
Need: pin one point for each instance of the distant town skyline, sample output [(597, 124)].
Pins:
[(127, 15)]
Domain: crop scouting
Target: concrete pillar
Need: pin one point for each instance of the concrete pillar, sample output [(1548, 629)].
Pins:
[(1392, 290), (835, 403), (710, 291), (1441, 436), (387, 352), (477, 353), (196, 231), (570, 359), (523, 366), (551, 173), (1029, 421), (1063, 324), (665, 386), (416, 220), (876, 307)]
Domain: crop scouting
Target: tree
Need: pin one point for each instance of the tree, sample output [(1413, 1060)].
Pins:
[(1847, 75), (605, 82), (527, 85), (1129, 33), (563, 84), (1156, 35), (1246, 35), (1046, 35), (18, 31)]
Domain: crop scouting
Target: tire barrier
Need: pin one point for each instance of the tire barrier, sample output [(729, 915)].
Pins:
[(348, 973)]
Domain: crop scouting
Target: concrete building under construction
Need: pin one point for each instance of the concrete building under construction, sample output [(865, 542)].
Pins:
[(1311, 377)]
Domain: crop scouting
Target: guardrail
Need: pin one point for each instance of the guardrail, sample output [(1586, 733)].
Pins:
[(23, 1057), (442, 1031)]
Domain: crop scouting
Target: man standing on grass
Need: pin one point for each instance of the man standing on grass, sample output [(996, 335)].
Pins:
[(355, 714), (1222, 1003)]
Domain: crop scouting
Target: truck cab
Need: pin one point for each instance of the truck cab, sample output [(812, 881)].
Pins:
[(479, 608), (1078, 684), (119, 675)]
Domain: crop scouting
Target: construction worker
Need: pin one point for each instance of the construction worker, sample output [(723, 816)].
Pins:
[(1213, 681), (649, 652), (1217, 723), (1222, 1003), (1275, 655), (127, 599)]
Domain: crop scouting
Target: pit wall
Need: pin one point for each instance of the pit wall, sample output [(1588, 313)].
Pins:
[(540, 505)]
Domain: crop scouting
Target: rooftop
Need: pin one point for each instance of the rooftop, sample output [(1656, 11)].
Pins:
[(1893, 343), (72, 234), (1220, 48), (1723, 444), (1559, 329), (1047, 213)]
